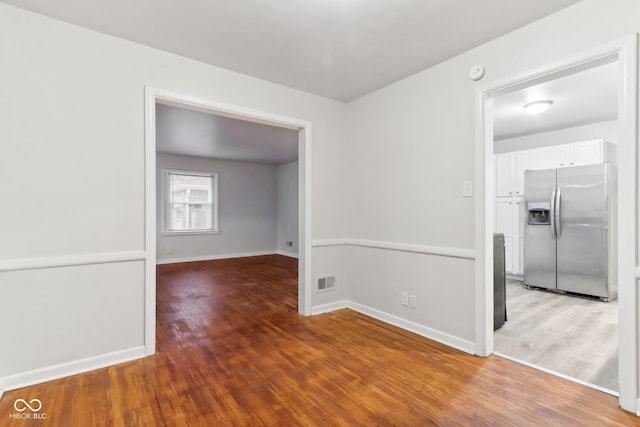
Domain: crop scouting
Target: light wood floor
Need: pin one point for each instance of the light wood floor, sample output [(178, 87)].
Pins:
[(574, 336), (232, 351)]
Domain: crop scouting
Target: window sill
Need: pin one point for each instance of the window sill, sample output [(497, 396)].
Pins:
[(189, 233)]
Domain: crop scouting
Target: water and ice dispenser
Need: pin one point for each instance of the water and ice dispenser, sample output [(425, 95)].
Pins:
[(539, 213)]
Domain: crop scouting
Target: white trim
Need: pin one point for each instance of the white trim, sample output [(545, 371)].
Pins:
[(407, 325), (305, 229), (61, 370), (304, 128), (327, 308), (329, 242), (70, 260), (558, 374), (416, 328), (150, 220), (625, 52), (214, 257), (289, 254), (419, 249), (401, 247), (637, 272), (628, 355)]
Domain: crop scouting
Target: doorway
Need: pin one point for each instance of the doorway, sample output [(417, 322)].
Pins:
[(303, 128), (568, 332), (624, 52)]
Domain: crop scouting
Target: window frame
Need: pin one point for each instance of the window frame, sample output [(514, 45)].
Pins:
[(166, 203)]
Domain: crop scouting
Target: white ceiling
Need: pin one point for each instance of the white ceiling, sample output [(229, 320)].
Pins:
[(194, 133), (341, 49), (578, 99)]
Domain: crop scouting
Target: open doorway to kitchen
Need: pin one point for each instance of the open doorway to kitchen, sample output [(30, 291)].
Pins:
[(622, 54), (276, 152), (561, 290)]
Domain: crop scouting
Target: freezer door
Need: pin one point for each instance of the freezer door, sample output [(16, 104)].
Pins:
[(582, 229), (539, 245)]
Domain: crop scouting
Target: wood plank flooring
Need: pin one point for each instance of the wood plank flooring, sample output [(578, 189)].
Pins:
[(232, 351), (574, 336)]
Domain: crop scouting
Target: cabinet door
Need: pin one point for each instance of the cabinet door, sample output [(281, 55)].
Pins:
[(525, 160), (551, 157), (504, 225), (584, 153), (504, 166)]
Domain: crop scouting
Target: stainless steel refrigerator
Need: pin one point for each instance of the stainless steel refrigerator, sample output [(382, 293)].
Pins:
[(570, 230)]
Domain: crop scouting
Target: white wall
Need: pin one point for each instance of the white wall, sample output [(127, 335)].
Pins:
[(411, 146), (287, 176), (602, 130), (248, 211), (72, 164)]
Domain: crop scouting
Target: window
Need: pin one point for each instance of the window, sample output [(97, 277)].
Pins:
[(190, 202)]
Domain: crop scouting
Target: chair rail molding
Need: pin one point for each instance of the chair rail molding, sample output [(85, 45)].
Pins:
[(397, 246)]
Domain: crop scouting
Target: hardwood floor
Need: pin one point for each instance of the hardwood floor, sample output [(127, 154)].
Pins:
[(232, 351), (573, 336)]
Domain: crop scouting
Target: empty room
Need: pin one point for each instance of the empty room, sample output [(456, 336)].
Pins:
[(318, 213)]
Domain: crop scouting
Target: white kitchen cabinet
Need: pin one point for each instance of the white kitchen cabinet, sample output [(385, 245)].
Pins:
[(574, 154), (585, 153), (505, 225), (510, 169), (525, 160), (505, 169), (551, 157), (509, 220)]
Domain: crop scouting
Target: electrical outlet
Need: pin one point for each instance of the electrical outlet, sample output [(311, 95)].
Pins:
[(404, 298), (289, 243), (168, 249), (413, 301)]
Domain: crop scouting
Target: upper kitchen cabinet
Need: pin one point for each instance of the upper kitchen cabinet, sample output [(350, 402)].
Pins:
[(575, 154), (510, 169), (525, 160), (505, 169)]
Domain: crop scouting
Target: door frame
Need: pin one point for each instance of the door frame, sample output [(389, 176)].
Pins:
[(625, 52), (153, 96)]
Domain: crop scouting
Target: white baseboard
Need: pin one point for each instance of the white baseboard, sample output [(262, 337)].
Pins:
[(54, 372), (214, 257), (416, 328), (289, 254), (332, 306)]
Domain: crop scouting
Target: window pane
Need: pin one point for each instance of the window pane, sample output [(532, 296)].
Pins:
[(179, 195), (178, 217), (197, 195), (200, 217), (191, 203)]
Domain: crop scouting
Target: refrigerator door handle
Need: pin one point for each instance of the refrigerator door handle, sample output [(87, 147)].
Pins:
[(552, 214), (556, 213)]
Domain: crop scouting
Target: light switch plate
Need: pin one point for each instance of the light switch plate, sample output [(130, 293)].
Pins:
[(467, 189)]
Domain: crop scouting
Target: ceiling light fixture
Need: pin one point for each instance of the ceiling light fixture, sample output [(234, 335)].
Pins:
[(538, 107)]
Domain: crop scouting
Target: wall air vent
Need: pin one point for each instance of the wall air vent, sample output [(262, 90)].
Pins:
[(326, 283)]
